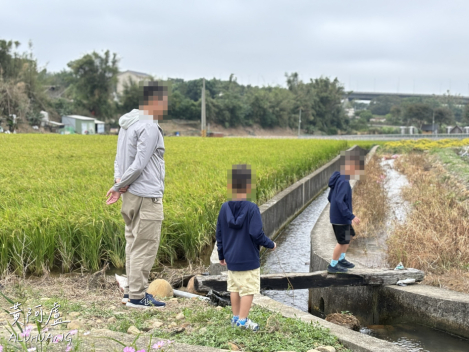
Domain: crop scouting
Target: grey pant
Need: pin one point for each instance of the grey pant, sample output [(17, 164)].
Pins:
[(143, 218)]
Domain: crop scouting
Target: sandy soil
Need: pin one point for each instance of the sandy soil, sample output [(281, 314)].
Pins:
[(192, 128)]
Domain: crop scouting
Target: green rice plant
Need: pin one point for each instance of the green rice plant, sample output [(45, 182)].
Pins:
[(52, 194)]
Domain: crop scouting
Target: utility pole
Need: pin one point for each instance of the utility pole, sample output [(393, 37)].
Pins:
[(299, 124), (433, 124), (203, 121)]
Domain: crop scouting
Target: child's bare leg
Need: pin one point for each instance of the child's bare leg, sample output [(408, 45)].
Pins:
[(235, 302), (246, 302), (338, 250)]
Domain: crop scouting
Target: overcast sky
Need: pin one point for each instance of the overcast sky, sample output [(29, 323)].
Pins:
[(416, 46)]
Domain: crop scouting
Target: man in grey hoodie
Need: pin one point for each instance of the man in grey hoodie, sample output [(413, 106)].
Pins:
[(139, 173)]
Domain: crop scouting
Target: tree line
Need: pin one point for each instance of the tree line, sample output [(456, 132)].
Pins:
[(87, 86), (444, 110)]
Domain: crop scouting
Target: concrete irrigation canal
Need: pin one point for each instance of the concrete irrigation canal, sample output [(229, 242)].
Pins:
[(413, 318)]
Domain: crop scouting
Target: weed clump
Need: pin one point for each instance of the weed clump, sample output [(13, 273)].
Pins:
[(370, 200), (434, 236)]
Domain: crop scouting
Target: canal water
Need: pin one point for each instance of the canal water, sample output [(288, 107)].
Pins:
[(293, 252), (293, 255)]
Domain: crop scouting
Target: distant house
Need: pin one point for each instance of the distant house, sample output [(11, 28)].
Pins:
[(52, 125), (350, 112), (454, 130), (80, 124), (127, 76), (99, 127), (378, 119), (430, 129)]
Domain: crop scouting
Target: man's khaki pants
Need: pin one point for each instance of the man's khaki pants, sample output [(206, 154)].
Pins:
[(143, 217)]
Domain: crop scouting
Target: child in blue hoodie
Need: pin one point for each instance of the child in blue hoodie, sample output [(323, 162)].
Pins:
[(341, 211), (239, 237)]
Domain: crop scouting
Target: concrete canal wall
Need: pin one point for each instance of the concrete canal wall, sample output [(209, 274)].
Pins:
[(353, 340), (286, 205)]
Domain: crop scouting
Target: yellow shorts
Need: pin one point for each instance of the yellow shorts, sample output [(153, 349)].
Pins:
[(244, 282)]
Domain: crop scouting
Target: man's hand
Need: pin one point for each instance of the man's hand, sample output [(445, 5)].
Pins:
[(123, 189), (356, 220), (113, 196), (275, 246), (223, 262)]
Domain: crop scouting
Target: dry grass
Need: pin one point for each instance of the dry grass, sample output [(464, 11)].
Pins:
[(369, 200), (434, 237)]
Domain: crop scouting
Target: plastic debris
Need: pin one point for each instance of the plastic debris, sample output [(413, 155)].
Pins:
[(405, 282), (121, 281), (221, 299), (399, 266), (183, 294)]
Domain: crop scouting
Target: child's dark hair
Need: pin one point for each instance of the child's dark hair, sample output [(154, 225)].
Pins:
[(241, 177), (356, 156), (153, 89)]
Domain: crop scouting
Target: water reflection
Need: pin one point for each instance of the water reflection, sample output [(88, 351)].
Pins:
[(417, 338)]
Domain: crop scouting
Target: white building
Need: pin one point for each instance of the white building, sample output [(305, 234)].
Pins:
[(128, 76), (99, 125)]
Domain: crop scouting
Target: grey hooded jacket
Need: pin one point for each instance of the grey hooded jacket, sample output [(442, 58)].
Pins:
[(139, 159)]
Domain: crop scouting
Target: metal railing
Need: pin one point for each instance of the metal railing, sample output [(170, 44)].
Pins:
[(389, 137)]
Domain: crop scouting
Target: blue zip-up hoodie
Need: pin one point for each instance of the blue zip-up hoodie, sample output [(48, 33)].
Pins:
[(240, 234), (340, 197)]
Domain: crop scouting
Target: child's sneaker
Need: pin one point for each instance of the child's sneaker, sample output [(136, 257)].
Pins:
[(234, 320), (247, 324), (125, 299), (146, 302), (346, 264), (336, 269)]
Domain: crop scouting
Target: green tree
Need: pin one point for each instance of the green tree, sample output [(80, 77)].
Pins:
[(10, 59), (63, 106), (366, 115), (95, 77), (418, 114), (465, 116), (22, 93), (231, 110), (382, 105), (444, 115), (329, 114), (130, 97), (13, 101), (304, 99), (395, 116)]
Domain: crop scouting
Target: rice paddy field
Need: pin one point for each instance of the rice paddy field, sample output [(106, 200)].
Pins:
[(409, 145), (52, 194)]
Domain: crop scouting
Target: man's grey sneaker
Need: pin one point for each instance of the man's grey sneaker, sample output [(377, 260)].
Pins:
[(125, 299), (336, 269), (146, 302), (247, 324), (346, 264)]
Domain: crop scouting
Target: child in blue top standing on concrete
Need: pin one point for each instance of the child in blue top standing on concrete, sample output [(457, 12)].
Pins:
[(352, 165), (239, 237)]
